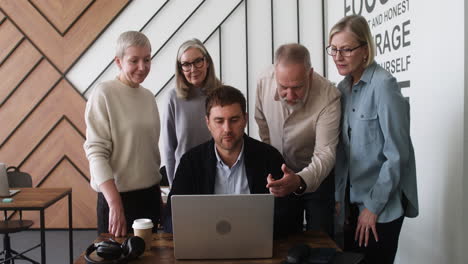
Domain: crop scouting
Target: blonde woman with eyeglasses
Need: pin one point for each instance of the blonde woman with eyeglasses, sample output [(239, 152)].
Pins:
[(375, 163)]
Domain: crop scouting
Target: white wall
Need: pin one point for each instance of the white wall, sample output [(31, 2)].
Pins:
[(465, 152), (437, 98), (438, 131)]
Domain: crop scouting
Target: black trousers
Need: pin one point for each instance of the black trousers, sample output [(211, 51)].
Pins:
[(144, 203), (319, 206), (376, 252)]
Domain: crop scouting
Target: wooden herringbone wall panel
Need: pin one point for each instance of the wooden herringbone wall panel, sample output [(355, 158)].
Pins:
[(62, 14), (16, 66), (10, 38), (18, 106), (61, 101), (62, 50), (67, 141), (42, 115)]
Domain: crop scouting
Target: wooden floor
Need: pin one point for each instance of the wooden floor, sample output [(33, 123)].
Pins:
[(56, 244)]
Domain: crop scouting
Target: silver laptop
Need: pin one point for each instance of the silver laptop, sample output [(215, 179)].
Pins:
[(223, 226)]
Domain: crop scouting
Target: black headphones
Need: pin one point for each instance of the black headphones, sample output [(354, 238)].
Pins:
[(114, 253)]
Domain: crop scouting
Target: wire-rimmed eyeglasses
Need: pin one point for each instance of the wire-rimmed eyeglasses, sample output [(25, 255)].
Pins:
[(332, 51)]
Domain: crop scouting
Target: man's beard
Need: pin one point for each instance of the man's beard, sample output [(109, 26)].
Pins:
[(299, 103)]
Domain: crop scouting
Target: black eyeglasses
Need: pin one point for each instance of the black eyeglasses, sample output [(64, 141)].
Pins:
[(197, 63), (332, 51)]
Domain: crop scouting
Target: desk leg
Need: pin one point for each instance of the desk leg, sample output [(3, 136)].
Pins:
[(43, 242), (70, 227)]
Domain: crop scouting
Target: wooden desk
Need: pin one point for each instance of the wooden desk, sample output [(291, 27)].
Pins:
[(162, 249), (38, 199)]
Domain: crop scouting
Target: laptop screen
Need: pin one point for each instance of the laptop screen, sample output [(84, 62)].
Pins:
[(223, 226)]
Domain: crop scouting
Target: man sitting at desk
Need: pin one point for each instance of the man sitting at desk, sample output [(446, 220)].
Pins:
[(232, 162)]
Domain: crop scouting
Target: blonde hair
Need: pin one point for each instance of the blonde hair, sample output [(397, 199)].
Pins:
[(131, 38), (358, 26), (182, 85)]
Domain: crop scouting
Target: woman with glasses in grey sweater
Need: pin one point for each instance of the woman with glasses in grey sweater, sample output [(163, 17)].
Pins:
[(183, 121)]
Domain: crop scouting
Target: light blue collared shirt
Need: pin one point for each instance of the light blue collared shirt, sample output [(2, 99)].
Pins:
[(375, 148), (231, 180)]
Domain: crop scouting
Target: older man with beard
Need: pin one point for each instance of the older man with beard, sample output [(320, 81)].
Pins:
[(298, 112)]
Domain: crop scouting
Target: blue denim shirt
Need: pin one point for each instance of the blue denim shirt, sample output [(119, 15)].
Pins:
[(375, 148)]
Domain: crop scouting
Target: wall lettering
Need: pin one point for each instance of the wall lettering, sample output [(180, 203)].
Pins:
[(390, 23)]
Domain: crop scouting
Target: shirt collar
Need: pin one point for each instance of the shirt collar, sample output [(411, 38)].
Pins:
[(366, 75), (368, 72), (220, 161)]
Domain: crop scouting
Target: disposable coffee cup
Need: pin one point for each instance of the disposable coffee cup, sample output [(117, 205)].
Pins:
[(143, 228)]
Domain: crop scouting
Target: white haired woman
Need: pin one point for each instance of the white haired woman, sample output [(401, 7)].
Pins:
[(184, 125), (121, 145)]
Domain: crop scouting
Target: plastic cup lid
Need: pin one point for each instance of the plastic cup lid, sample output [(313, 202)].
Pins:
[(142, 223)]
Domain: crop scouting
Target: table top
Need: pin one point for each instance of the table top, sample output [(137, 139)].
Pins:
[(35, 198), (162, 249)]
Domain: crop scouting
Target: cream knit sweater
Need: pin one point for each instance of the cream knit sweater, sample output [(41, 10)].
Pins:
[(122, 136)]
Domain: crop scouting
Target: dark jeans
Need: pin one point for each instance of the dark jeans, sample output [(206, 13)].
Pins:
[(382, 251), (319, 206), (144, 203)]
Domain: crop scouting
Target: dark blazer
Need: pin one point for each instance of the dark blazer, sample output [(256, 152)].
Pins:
[(196, 174)]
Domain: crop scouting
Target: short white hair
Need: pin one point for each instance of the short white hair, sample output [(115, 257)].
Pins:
[(131, 38)]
